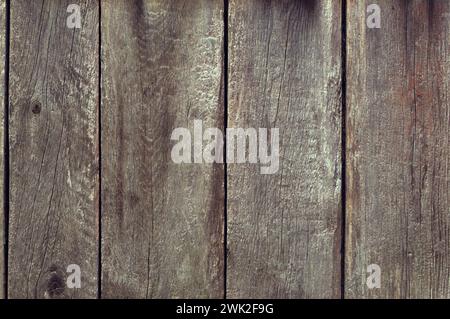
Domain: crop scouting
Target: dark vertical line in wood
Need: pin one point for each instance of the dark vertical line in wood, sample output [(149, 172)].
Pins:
[(6, 150), (225, 107), (99, 258), (343, 138)]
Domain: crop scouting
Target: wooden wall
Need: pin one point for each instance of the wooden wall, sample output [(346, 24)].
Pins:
[(87, 116)]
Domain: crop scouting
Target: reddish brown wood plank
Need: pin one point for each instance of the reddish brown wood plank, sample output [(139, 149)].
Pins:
[(398, 149)]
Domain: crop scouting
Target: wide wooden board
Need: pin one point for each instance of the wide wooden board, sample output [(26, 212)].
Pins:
[(162, 222), (53, 221), (284, 229), (398, 150)]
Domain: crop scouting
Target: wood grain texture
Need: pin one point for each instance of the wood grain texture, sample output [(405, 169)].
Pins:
[(398, 150), (284, 231), (162, 222), (53, 149), (2, 166)]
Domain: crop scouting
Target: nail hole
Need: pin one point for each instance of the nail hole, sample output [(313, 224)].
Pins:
[(36, 108)]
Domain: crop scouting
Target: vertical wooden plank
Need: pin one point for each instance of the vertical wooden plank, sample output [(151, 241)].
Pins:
[(284, 231), (2, 166), (398, 150), (162, 222), (53, 149)]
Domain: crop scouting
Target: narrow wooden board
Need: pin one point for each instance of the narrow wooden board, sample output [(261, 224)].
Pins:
[(398, 150), (53, 149), (2, 136), (284, 230), (162, 222)]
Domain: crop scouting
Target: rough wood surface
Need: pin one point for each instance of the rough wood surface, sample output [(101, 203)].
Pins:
[(284, 231), (53, 149), (162, 222), (2, 166), (398, 150)]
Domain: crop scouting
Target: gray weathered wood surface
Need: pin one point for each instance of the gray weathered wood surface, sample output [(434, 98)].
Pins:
[(398, 150), (162, 222), (284, 230), (53, 149)]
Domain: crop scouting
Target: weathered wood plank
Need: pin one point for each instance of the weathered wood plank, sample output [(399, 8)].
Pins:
[(53, 149), (2, 166), (162, 222), (398, 150), (284, 231)]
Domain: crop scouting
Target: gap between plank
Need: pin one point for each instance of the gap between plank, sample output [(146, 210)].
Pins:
[(99, 89), (343, 139), (225, 107)]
